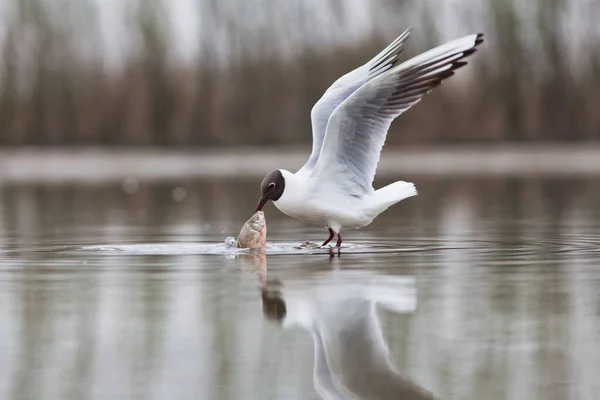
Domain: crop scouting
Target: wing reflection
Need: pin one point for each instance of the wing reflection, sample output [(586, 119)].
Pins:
[(338, 308)]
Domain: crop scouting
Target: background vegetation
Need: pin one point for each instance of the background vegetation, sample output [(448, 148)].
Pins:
[(224, 73)]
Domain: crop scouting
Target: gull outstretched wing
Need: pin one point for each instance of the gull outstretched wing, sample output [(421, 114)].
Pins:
[(357, 128), (344, 87)]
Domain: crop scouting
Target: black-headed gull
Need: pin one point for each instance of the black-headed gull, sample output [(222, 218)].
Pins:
[(349, 126)]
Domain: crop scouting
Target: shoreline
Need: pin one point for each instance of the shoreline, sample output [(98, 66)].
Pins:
[(55, 164)]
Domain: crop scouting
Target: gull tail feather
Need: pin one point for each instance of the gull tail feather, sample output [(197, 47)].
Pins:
[(393, 193)]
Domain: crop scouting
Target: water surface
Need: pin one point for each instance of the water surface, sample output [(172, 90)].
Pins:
[(482, 288)]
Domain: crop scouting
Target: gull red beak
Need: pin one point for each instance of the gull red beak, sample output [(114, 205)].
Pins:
[(260, 204)]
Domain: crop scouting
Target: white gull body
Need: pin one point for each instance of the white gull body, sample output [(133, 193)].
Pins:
[(349, 127)]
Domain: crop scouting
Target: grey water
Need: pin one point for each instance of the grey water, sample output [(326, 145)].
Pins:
[(478, 288)]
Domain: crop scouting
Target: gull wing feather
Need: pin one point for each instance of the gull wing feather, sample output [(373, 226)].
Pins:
[(357, 128), (344, 87)]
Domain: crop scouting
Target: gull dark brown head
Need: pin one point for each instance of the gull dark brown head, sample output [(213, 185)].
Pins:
[(271, 188)]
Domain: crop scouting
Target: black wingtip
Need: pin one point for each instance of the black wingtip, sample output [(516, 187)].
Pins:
[(479, 39), (459, 64), (469, 52), (446, 74)]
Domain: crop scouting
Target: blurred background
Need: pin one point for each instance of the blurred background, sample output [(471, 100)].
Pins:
[(129, 151), (234, 73)]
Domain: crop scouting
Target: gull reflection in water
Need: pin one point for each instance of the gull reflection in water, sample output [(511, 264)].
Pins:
[(338, 308)]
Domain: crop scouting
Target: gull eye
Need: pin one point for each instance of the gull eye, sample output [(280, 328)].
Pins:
[(271, 185)]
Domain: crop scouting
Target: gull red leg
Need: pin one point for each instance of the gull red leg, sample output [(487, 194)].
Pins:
[(339, 241), (331, 235)]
